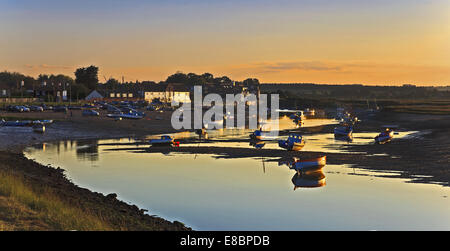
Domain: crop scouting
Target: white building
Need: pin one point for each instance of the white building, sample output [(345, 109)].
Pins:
[(171, 92)]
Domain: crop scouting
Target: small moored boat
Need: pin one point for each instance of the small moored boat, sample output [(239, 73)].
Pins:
[(294, 142), (385, 136), (16, 123), (309, 164), (343, 131), (165, 140)]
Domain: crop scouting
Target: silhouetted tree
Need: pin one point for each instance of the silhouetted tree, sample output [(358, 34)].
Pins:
[(178, 77), (87, 76)]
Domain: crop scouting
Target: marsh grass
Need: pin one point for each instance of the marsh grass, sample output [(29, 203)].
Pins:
[(36, 207)]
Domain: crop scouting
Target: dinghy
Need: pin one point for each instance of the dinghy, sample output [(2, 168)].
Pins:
[(385, 136), (309, 164), (16, 123), (294, 142), (343, 131), (43, 121), (165, 140)]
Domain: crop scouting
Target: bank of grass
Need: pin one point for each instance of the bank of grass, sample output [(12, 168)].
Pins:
[(37, 197), (35, 207)]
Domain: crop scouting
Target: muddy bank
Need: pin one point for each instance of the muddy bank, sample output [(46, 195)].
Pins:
[(372, 157), (117, 214), (73, 126), (422, 159)]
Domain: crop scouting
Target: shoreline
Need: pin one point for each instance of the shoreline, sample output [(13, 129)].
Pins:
[(117, 214), (409, 155)]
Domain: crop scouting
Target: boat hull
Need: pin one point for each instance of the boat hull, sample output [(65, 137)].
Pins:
[(291, 147), (382, 139), (311, 164)]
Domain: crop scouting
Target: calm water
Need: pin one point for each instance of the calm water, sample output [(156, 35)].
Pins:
[(208, 193)]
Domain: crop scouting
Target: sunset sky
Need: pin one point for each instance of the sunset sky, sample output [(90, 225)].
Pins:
[(336, 41)]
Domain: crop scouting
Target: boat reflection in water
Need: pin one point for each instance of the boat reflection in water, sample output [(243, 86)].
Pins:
[(347, 138), (87, 150), (257, 144), (309, 179)]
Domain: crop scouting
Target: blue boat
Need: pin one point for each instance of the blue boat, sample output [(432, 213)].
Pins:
[(343, 131), (16, 123), (294, 142)]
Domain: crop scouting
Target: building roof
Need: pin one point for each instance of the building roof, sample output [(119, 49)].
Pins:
[(94, 95)]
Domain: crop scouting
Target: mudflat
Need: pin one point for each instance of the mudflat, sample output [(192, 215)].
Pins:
[(424, 158)]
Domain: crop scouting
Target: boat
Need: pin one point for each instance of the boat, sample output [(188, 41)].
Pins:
[(343, 131), (16, 123), (301, 165), (385, 136), (298, 122), (294, 142), (309, 180), (90, 112), (165, 140), (43, 121), (130, 115)]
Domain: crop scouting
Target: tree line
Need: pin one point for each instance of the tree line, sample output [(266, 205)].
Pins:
[(86, 80)]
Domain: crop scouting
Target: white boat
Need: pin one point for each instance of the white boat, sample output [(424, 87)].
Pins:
[(43, 121), (165, 140), (127, 115), (309, 164)]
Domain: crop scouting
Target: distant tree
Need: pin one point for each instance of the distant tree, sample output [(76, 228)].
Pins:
[(79, 91), (194, 79), (222, 80), (208, 77), (112, 83), (87, 76), (178, 77)]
